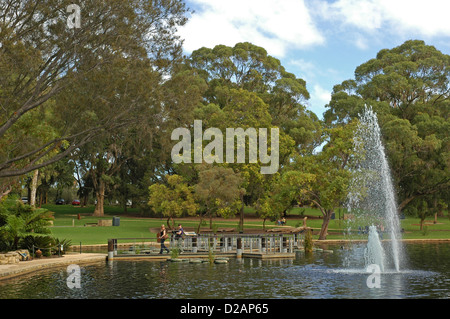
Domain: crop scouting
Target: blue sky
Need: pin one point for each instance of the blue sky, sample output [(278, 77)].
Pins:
[(321, 41)]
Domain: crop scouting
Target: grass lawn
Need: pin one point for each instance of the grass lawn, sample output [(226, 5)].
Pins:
[(68, 226)]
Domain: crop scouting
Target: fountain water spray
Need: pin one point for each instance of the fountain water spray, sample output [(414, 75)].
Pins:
[(374, 253), (372, 195)]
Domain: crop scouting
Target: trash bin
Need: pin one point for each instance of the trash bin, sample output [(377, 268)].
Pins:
[(116, 221)]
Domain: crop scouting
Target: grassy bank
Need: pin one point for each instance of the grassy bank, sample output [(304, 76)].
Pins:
[(68, 226)]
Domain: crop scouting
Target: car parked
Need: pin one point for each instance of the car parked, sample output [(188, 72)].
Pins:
[(76, 202), (60, 201), (25, 200)]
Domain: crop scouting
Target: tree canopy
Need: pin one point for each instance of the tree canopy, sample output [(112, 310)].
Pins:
[(66, 79), (409, 88)]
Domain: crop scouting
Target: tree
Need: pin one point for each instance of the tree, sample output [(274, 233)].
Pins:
[(248, 88), (249, 67), (409, 89), (41, 59), (175, 199), (323, 178), (219, 189)]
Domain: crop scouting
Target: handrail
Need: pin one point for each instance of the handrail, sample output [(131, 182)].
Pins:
[(269, 243)]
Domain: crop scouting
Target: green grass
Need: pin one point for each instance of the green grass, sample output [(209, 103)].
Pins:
[(138, 227)]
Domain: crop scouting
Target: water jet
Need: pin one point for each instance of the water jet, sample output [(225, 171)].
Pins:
[(372, 197)]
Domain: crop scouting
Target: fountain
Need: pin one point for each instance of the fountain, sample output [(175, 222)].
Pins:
[(374, 252), (372, 198)]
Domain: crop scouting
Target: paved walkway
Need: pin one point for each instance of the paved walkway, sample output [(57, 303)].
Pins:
[(12, 270)]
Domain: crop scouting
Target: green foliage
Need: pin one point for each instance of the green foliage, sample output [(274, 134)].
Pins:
[(219, 190), (321, 179), (211, 253), (47, 244), (62, 246), (18, 221), (175, 199), (58, 92), (43, 243), (308, 241), (407, 86), (174, 252)]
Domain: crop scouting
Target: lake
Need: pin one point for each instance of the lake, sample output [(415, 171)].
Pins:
[(320, 275)]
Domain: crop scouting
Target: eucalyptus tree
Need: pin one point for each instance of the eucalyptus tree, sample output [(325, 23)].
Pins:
[(248, 88), (249, 67), (409, 88), (43, 58)]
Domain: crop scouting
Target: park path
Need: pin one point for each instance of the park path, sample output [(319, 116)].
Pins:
[(37, 264)]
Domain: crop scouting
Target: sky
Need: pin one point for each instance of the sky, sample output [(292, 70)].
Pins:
[(320, 41)]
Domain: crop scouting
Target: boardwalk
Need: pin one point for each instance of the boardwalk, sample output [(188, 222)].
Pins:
[(202, 246)]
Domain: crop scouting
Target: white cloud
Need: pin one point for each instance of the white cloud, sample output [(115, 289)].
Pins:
[(320, 95), (306, 69), (319, 98), (425, 18), (429, 18), (277, 26)]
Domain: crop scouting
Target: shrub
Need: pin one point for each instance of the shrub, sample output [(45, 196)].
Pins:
[(44, 243), (18, 221), (308, 244)]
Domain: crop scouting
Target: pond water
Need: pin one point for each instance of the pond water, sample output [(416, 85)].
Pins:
[(315, 276)]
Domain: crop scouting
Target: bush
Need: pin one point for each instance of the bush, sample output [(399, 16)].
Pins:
[(47, 244), (18, 221), (61, 243), (33, 243), (308, 244)]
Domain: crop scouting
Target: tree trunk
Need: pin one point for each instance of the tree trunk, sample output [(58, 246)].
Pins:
[(326, 220), (100, 195), (241, 217), (34, 181), (84, 200), (210, 220), (199, 224), (169, 226), (125, 208), (435, 208)]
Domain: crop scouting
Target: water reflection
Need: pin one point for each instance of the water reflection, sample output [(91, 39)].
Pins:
[(316, 275)]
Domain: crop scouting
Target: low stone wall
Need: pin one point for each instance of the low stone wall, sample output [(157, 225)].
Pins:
[(13, 257), (104, 222)]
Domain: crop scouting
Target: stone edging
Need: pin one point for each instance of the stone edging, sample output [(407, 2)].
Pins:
[(24, 267)]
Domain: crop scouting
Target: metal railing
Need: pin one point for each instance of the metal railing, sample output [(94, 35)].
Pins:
[(204, 243)]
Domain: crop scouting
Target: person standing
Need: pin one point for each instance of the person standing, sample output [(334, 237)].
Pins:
[(163, 236), (179, 237)]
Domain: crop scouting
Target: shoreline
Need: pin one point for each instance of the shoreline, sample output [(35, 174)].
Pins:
[(38, 264)]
